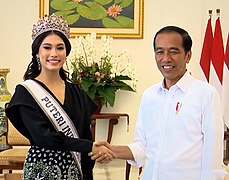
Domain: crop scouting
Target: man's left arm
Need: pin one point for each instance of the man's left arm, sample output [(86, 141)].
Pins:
[(213, 130)]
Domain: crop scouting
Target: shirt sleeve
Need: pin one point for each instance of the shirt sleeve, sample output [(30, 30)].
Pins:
[(213, 130), (139, 145)]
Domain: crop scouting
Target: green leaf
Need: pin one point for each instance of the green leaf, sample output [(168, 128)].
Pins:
[(63, 5), (122, 85), (86, 83), (64, 13), (92, 11), (126, 3), (127, 88), (71, 19), (121, 77), (123, 3), (68, 16), (125, 22), (110, 23), (117, 1), (119, 22), (108, 94), (103, 2), (92, 92), (74, 76)]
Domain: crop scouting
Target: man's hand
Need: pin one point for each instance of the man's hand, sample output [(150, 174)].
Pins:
[(101, 152)]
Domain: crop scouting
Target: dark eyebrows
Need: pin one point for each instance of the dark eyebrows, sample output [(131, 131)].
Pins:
[(171, 48), (48, 44), (158, 48), (174, 48)]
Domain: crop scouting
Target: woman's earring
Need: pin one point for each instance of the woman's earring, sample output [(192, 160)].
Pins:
[(38, 63)]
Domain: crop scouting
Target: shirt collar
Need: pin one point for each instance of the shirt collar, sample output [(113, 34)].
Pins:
[(183, 83)]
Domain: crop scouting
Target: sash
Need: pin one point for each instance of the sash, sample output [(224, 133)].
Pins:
[(58, 117)]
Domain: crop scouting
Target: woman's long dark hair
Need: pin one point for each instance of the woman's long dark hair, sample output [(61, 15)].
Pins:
[(32, 69)]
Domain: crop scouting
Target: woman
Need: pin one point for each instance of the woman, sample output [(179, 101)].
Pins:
[(53, 113)]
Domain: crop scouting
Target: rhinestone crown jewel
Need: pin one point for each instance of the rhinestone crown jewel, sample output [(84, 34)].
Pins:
[(48, 23)]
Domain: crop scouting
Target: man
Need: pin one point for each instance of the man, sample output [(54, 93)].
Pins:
[(179, 131)]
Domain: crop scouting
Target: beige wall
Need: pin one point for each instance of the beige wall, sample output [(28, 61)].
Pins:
[(17, 17)]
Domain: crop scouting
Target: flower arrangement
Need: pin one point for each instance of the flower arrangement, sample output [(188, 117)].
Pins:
[(102, 74)]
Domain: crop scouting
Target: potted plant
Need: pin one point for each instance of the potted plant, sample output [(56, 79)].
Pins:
[(101, 73)]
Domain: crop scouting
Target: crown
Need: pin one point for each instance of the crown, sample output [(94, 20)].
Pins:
[(48, 23)]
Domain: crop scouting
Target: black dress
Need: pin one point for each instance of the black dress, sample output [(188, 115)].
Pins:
[(49, 156)]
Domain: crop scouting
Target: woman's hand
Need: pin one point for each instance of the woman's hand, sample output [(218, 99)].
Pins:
[(101, 153)]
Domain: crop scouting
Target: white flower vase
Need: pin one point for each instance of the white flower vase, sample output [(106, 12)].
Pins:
[(5, 97)]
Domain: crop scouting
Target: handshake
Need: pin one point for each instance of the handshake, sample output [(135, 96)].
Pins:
[(102, 152)]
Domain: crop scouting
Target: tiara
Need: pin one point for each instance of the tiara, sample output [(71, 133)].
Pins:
[(49, 23)]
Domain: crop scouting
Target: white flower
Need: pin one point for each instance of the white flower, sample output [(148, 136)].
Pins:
[(99, 65)]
